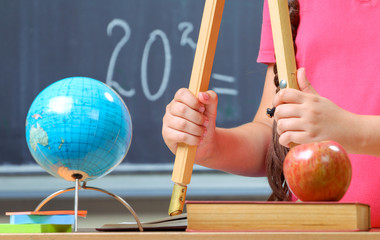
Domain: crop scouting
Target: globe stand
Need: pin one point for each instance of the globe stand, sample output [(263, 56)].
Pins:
[(76, 200)]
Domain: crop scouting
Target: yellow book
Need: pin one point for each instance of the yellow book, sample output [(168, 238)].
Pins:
[(276, 216)]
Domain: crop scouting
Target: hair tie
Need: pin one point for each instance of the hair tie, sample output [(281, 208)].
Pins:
[(270, 112)]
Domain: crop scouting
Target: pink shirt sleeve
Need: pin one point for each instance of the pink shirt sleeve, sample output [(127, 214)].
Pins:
[(266, 51)]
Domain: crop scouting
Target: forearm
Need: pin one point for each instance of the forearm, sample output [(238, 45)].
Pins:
[(362, 134), (241, 150)]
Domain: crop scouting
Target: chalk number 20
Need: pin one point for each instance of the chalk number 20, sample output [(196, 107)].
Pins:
[(153, 37)]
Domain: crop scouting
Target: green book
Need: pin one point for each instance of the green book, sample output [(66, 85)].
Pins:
[(34, 228)]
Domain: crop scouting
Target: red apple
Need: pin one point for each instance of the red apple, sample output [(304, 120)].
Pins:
[(318, 171)]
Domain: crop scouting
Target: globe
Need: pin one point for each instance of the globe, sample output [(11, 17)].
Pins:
[(78, 128)]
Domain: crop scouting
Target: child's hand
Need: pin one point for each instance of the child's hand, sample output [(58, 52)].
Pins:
[(304, 116), (189, 119)]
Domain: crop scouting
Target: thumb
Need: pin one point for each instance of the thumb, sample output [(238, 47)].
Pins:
[(210, 99), (303, 83)]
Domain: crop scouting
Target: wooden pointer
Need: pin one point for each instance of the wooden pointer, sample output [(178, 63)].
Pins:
[(283, 43), (199, 81)]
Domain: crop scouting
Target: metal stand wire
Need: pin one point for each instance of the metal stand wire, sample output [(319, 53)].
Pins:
[(76, 188), (76, 202)]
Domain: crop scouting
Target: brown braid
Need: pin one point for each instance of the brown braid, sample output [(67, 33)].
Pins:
[(276, 152)]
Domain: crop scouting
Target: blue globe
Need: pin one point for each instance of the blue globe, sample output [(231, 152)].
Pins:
[(78, 127)]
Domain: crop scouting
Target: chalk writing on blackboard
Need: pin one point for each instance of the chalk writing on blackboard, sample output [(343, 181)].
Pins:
[(143, 49), (156, 35)]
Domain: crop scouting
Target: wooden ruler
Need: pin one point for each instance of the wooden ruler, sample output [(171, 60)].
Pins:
[(199, 81), (283, 43)]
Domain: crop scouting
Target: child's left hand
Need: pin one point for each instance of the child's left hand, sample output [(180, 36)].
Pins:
[(303, 116)]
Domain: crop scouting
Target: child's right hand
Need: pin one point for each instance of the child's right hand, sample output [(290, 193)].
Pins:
[(190, 120)]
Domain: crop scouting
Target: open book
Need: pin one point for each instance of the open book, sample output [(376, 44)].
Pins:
[(178, 222)]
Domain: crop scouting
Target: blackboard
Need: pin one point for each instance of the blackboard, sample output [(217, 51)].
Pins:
[(144, 49)]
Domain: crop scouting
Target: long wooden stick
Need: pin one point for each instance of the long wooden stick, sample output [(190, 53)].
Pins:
[(199, 81), (283, 43)]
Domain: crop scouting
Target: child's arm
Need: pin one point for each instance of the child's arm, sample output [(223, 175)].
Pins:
[(304, 117), (241, 150)]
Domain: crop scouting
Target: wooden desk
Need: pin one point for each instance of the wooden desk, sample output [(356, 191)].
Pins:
[(197, 236)]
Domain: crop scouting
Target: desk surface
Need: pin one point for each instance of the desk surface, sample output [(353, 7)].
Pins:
[(196, 236)]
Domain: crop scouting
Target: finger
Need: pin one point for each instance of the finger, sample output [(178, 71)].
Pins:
[(287, 111), (173, 135), (184, 96), (181, 110), (289, 125), (184, 125), (209, 98), (288, 95), (290, 137), (303, 83), (296, 137)]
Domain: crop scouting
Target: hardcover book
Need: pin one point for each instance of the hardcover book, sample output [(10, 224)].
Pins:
[(276, 216)]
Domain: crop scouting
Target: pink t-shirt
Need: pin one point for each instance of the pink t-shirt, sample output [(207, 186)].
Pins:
[(338, 44)]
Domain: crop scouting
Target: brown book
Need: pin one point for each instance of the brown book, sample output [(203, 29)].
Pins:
[(276, 216)]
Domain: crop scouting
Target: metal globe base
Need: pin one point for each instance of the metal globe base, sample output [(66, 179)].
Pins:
[(76, 200)]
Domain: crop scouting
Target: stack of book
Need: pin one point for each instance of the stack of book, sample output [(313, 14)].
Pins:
[(232, 216), (40, 221)]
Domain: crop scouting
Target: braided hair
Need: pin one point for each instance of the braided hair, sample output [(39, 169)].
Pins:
[(276, 152)]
